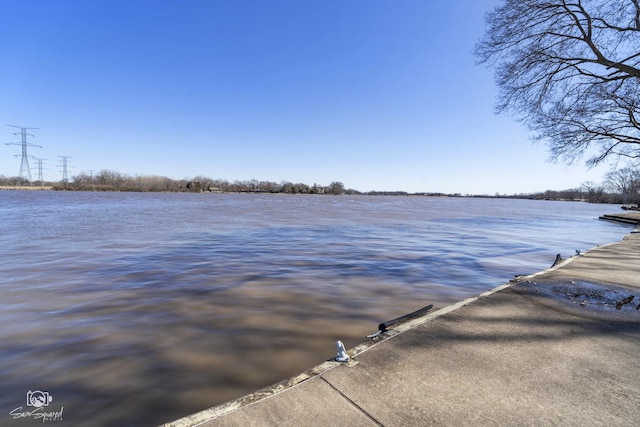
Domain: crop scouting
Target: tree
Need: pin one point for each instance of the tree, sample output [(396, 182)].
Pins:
[(110, 180), (626, 182), (593, 191), (570, 71), (336, 187)]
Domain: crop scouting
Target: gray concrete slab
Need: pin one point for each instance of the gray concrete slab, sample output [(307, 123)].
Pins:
[(629, 217), (502, 360), (314, 402), (617, 263), (534, 352)]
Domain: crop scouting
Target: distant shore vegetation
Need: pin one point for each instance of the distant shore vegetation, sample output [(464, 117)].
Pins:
[(108, 180), (620, 187)]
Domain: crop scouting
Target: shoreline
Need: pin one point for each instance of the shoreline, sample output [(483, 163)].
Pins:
[(604, 268), (26, 188), (373, 193)]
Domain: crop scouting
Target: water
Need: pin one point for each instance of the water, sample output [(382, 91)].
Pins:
[(136, 309)]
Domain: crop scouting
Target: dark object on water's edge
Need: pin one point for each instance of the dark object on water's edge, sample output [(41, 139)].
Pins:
[(627, 300), (557, 261), (384, 326), (631, 208)]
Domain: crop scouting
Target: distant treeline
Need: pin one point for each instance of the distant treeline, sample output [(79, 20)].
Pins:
[(108, 180), (620, 187)]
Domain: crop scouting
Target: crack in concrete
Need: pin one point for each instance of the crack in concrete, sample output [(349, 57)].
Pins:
[(368, 415)]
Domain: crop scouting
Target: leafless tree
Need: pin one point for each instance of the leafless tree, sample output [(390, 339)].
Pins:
[(570, 71), (626, 182)]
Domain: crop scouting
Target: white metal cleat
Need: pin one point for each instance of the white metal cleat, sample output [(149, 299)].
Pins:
[(342, 355)]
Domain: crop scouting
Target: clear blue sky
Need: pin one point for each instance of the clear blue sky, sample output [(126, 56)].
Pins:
[(377, 94)]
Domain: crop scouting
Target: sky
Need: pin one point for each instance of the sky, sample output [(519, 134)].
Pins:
[(376, 94)]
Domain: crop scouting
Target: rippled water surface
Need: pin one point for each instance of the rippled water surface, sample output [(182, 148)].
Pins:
[(136, 309)]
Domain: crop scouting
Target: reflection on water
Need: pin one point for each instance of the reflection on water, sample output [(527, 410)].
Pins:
[(136, 309)]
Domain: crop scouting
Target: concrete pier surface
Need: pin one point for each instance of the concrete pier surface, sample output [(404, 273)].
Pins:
[(625, 217), (560, 347)]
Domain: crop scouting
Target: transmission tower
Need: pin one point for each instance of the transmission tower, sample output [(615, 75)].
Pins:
[(24, 163), (40, 169), (65, 165)]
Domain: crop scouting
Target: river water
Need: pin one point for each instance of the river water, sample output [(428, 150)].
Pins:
[(136, 309)]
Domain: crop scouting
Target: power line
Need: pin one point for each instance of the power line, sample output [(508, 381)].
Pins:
[(24, 163)]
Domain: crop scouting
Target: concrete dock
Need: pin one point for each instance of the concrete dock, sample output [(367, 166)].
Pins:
[(632, 217), (561, 347)]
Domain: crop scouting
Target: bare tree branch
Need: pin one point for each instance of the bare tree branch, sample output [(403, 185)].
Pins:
[(570, 71)]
